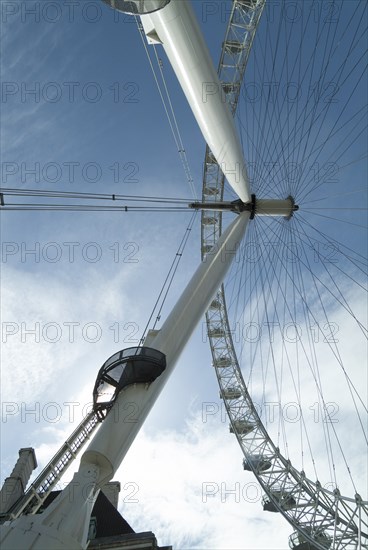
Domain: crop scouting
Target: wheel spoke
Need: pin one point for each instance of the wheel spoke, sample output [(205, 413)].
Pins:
[(286, 328)]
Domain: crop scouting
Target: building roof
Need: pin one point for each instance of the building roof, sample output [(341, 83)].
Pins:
[(109, 521)]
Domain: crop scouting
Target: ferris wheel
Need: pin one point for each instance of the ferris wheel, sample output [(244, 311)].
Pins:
[(286, 327), (278, 341)]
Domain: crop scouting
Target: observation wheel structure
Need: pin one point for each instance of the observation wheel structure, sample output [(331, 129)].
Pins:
[(125, 368), (297, 282)]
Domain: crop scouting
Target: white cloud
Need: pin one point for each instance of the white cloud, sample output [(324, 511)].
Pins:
[(176, 452), (193, 493)]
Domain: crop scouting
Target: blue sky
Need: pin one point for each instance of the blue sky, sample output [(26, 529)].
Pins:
[(94, 123)]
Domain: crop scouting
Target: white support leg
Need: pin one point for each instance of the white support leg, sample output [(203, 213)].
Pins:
[(115, 436), (65, 523), (176, 28)]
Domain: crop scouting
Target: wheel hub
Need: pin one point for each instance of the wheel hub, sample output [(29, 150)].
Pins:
[(260, 207)]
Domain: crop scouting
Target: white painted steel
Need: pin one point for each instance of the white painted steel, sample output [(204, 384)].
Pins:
[(64, 524), (114, 438), (274, 207), (176, 28), (136, 6)]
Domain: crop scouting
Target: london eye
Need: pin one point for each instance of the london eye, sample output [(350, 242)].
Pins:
[(286, 327)]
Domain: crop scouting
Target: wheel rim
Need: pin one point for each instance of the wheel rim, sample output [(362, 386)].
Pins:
[(321, 515)]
